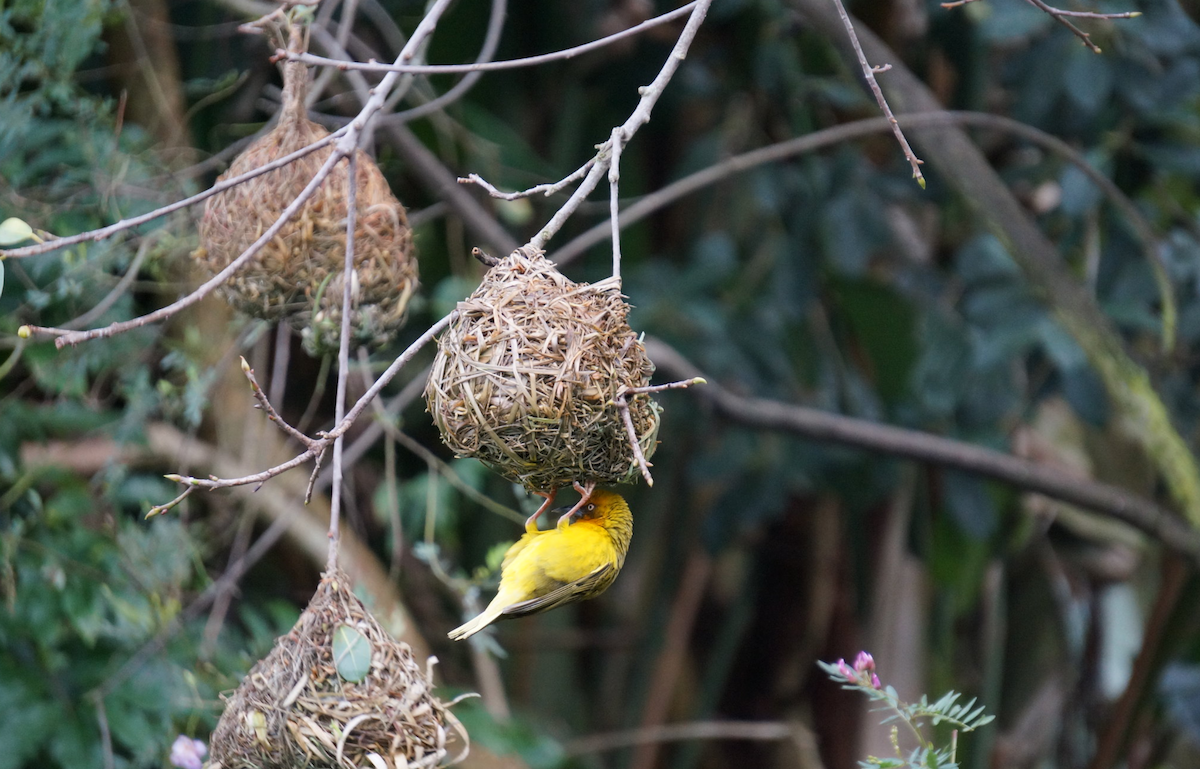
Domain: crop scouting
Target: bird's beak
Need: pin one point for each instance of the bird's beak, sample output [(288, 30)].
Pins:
[(566, 509)]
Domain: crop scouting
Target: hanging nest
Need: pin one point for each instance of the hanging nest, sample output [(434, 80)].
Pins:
[(525, 379), (296, 708), (297, 276)]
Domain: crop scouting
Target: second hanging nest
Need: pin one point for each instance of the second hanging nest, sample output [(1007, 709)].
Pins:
[(297, 276), (297, 708), (526, 379)]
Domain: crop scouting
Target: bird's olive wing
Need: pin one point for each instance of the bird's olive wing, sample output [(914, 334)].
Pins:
[(587, 587)]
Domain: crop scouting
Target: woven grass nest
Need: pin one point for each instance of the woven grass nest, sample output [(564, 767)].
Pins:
[(294, 708), (526, 378), (297, 276)]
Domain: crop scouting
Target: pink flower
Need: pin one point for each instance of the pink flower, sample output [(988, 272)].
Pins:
[(844, 669), (864, 662), (875, 681), (187, 753)]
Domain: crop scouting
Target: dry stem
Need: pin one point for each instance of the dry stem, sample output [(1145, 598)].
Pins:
[(529, 61), (869, 74), (343, 360), (622, 404)]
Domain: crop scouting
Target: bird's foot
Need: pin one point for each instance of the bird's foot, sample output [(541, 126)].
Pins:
[(531, 523)]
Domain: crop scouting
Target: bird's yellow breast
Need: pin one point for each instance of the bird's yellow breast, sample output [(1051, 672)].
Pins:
[(541, 562)]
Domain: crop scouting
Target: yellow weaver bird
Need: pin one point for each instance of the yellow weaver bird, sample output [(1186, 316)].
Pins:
[(576, 560)]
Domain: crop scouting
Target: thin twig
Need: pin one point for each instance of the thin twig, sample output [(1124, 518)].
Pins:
[(1095, 15), (432, 460), (869, 74), (343, 379), (312, 477), (491, 42), (75, 337), (125, 224), (547, 189), (160, 509), (118, 290), (530, 61), (681, 384), (631, 433), (272, 414), (641, 115), (614, 212), (1060, 17), (324, 439), (622, 404)]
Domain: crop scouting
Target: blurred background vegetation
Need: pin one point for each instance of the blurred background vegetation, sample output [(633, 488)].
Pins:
[(827, 279)]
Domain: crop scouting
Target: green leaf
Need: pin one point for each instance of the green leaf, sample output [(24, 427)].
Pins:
[(13, 231), (29, 722), (351, 653)]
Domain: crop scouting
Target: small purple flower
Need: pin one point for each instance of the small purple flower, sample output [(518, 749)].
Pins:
[(844, 669), (187, 753), (864, 662)]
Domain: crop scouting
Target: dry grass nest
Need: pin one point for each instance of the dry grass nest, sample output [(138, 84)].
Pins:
[(297, 276), (295, 709), (526, 379)]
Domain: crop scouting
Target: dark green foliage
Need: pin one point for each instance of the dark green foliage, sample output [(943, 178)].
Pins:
[(827, 280)]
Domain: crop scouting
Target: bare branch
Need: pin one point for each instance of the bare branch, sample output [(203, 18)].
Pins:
[(75, 337), (622, 404), (544, 189), (530, 61), (270, 411), (631, 433), (1061, 17), (118, 290), (614, 211), (343, 379), (125, 224), (491, 42), (1142, 514), (324, 440), (160, 509), (641, 115), (869, 74)]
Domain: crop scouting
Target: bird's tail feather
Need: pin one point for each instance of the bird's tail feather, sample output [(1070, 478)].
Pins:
[(472, 627)]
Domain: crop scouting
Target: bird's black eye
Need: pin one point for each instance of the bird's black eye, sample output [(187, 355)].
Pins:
[(590, 508)]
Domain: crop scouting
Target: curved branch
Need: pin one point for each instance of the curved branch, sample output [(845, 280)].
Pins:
[(486, 66), (860, 128), (1114, 502)]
